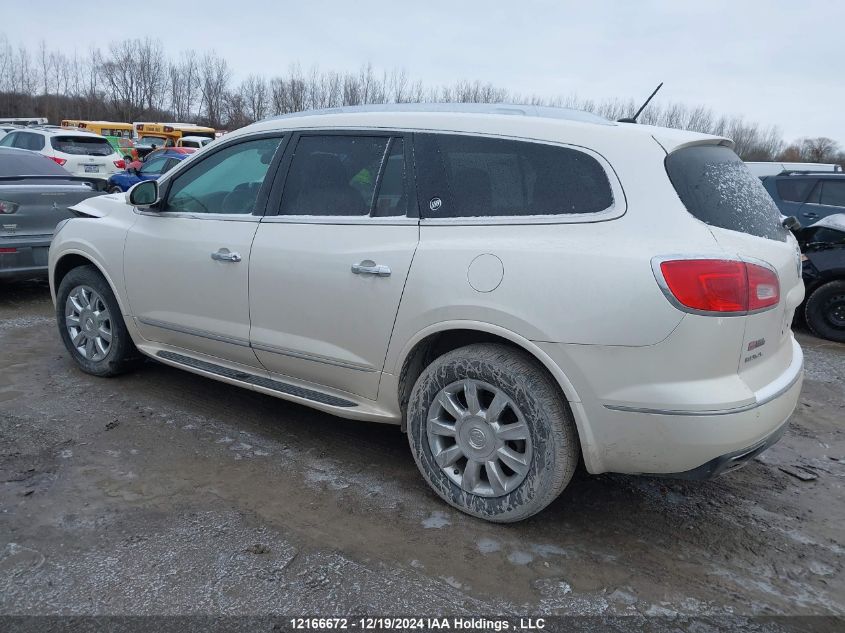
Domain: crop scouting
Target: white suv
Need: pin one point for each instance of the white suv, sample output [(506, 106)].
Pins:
[(81, 153), (517, 287)]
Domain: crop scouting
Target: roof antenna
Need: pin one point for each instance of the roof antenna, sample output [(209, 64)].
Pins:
[(633, 119)]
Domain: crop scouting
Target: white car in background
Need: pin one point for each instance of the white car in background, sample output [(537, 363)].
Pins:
[(516, 287), (196, 142), (80, 153)]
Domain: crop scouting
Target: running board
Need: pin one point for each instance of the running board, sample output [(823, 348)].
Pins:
[(258, 381)]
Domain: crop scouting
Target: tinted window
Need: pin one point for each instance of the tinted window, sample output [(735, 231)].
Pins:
[(28, 140), (392, 199), (16, 163), (227, 181), (717, 188), (833, 193), (794, 189), (466, 176), (154, 165), (81, 145), (333, 175)]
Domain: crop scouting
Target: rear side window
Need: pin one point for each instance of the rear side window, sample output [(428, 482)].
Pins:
[(794, 189), (717, 188), (81, 145), (26, 140), (469, 176), (833, 193)]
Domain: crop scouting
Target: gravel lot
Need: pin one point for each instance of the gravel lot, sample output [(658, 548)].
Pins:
[(161, 492)]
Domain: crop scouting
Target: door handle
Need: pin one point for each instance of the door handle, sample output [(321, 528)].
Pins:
[(224, 255), (369, 267)]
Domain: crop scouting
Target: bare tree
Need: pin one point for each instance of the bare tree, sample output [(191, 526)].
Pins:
[(254, 93), (819, 149), (214, 75), (183, 80)]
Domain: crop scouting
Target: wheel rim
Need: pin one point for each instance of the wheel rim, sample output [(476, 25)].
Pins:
[(835, 311), (88, 323), (479, 438)]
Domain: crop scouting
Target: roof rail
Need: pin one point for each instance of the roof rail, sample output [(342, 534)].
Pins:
[(805, 172)]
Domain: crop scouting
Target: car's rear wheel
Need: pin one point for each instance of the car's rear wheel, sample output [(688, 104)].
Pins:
[(115, 189), (491, 432), (91, 325), (824, 311)]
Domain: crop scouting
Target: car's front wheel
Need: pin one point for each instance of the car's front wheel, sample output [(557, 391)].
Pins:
[(491, 432), (824, 311), (115, 189), (91, 325)]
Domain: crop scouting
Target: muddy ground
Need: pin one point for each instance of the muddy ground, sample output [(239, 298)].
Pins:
[(161, 492)]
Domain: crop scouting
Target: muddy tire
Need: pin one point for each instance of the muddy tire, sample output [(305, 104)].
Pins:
[(491, 432), (824, 311), (91, 324), (115, 189)]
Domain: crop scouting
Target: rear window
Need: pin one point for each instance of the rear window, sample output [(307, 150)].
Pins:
[(469, 176), (717, 188), (20, 163), (794, 189), (81, 145)]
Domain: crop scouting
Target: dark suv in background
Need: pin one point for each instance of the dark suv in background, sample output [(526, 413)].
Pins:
[(809, 196)]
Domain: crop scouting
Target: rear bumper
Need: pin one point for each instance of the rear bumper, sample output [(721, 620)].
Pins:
[(730, 461), (29, 260), (729, 423)]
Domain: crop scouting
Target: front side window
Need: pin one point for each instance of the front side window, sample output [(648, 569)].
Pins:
[(833, 193), (469, 176), (334, 175), (154, 166), (227, 181)]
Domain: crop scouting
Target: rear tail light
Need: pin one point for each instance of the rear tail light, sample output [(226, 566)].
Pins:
[(60, 161), (8, 250), (717, 286), (120, 164)]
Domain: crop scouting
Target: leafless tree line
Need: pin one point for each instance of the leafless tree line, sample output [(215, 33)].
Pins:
[(133, 80)]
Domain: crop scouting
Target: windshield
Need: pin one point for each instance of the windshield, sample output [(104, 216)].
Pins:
[(152, 140), (81, 145)]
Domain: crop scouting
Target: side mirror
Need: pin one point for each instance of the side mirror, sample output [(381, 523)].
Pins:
[(144, 194), (791, 222)]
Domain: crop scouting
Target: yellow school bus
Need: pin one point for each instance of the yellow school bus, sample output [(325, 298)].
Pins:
[(158, 135), (119, 135)]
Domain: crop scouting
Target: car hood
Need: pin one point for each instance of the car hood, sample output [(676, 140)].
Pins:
[(101, 206)]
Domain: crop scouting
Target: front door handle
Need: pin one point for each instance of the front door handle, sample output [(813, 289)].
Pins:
[(369, 267), (225, 255)]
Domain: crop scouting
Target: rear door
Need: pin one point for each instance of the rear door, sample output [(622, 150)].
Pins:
[(717, 188), (826, 198), (330, 260)]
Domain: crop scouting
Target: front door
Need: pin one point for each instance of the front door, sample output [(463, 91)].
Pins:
[(187, 262), (330, 260)]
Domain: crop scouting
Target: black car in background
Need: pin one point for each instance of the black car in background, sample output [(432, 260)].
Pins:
[(807, 195), (35, 194), (823, 268)]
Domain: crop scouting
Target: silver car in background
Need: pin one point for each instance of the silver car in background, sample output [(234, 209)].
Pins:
[(35, 194)]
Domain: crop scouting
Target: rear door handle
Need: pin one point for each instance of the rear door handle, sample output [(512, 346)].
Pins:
[(225, 255), (369, 267)]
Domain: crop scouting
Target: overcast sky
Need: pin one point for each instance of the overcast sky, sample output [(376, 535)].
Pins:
[(778, 62)]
